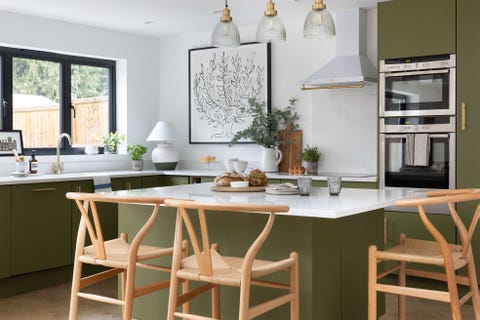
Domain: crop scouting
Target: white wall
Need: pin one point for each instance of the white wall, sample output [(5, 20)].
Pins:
[(137, 72), (292, 61)]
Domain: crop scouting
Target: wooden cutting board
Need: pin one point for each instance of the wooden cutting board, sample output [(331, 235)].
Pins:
[(291, 149)]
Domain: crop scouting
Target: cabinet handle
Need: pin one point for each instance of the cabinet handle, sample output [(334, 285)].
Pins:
[(79, 188), (129, 185), (44, 189), (464, 117)]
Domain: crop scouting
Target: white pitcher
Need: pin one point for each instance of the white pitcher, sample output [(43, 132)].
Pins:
[(271, 158)]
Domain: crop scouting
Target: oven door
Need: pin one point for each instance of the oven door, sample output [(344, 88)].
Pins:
[(397, 169), (416, 93)]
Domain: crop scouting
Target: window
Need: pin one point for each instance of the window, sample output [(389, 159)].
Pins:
[(45, 94)]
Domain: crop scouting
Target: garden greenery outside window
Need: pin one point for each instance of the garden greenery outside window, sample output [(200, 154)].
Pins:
[(45, 94)]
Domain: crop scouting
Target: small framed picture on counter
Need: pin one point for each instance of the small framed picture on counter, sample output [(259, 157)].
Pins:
[(222, 80), (9, 140)]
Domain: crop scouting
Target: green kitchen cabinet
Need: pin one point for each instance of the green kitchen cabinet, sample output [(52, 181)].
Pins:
[(126, 183), (409, 28), (468, 106), (5, 215), (40, 227), (160, 181)]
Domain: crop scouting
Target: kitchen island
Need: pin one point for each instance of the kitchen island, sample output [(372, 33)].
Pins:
[(331, 235)]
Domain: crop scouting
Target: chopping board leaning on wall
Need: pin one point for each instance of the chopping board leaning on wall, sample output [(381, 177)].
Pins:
[(291, 148)]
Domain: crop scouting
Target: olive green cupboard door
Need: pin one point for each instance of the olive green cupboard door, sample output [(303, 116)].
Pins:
[(40, 227), (409, 28), (5, 231), (468, 95)]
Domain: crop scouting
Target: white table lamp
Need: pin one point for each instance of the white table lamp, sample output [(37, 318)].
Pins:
[(164, 156)]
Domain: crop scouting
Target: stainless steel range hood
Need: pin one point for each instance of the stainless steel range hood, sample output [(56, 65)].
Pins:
[(351, 68)]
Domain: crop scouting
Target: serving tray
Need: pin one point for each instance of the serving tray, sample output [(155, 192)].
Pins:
[(241, 189)]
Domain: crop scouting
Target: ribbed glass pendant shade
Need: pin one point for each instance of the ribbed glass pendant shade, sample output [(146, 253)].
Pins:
[(319, 24), (226, 33), (271, 28)]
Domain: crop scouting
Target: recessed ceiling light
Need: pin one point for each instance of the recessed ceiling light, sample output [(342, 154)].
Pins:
[(149, 22)]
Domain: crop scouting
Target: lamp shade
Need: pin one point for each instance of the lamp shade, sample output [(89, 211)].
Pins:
[(163, 131), (164, 156), (319, 24)]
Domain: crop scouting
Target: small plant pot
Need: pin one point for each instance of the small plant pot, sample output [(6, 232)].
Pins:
[(137, 165), (311, 167), (108, 150)]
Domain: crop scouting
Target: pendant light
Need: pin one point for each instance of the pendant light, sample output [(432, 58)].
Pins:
[(226, 33), (319, 23), (271, 28)]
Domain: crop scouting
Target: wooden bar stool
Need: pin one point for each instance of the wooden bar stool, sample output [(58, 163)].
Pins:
[(451, 257), (118, 255), (212, 269)]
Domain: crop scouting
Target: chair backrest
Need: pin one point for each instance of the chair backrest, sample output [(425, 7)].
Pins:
[(205, 257), (90, 220), (449, 197)]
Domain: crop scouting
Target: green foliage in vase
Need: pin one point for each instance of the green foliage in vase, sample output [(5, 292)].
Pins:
[(136, 151), (265, 126), (311, 154)]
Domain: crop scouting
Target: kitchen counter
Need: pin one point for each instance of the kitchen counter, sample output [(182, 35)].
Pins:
[(319, 204), (75, 176), (330, 233)]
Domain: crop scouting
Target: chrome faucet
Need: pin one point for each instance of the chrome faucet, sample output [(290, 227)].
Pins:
[(57, 166)]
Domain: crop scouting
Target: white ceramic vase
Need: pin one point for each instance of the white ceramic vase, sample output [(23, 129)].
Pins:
[(271, 158)]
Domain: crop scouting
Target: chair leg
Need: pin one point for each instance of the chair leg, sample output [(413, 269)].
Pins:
[(123, 288), (129, 288), (372, 282), (185, 283), (244, 299), (216, 302), (453, 291), (402, 282), (77, 275), (294, 288)]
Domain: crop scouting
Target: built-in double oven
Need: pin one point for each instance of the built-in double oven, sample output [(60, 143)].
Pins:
[(417, 122)]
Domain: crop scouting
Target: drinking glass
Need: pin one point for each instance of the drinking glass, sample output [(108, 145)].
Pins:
[(334, 185), (304, 185)]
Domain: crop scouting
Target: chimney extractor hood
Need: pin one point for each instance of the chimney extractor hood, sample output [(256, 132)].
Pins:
[(351, 68)]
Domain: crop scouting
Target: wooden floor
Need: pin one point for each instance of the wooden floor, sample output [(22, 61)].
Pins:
[(52, 303)]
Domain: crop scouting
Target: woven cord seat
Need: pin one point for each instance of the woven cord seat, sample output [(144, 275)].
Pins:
[(450, 257)]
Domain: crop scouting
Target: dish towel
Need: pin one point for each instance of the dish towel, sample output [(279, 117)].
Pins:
[(102, 183), (409, 150), (422, 150)]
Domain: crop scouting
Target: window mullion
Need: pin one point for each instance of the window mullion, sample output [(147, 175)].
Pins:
[(7, 90)]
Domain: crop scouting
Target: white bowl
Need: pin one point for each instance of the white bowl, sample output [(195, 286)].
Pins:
[(229, 165), (240, 166), (239, 184)]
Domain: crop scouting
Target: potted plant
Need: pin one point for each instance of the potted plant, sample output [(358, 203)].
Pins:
[(111, 141), (264, 131), (136, 152), (310, 156)]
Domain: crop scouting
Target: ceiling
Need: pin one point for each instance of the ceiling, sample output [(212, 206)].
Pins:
[(165, 17)]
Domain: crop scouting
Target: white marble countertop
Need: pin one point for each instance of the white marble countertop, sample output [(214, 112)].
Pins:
[(75, 176), (319, 204), (351, 177)]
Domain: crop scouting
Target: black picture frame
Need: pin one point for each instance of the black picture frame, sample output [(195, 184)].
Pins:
[(9, 140), (221, 81)]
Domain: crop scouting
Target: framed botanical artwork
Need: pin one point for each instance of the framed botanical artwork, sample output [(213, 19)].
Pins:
[(221, 83), (9, 140)]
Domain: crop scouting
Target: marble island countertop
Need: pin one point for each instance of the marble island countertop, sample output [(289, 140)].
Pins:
[(319, 204)]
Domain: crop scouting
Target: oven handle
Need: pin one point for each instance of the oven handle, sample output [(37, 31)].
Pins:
[(414, 73), (404, 136)]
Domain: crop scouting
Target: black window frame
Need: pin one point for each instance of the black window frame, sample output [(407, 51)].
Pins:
[(65, 108)]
